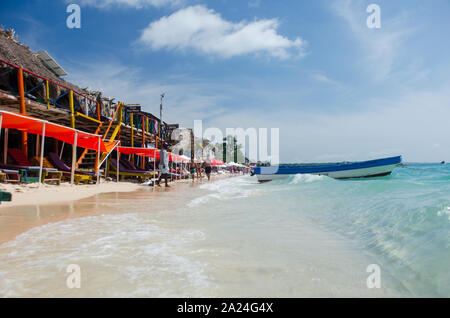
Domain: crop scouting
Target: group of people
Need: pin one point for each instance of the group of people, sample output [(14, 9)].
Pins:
[(195, 169)]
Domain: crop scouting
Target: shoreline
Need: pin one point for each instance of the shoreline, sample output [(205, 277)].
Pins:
[(32, 206), (125, 236)]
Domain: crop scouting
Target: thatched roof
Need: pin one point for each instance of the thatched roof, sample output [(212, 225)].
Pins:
[(12, 51)]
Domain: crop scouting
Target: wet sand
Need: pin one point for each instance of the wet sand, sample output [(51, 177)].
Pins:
[(33, 207)]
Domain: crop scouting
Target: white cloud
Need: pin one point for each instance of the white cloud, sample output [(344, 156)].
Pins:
[(322, 78), (205, 31), (138, 4)]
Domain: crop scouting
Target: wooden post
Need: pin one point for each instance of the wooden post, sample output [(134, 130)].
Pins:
[(192, 146), (98, 111), (42, 154), (5, 147), (117, 165), (120, 118), (132, 134), (143, 140), (74, 157), (22, 109), (97, 159), (154, 169), (120, 112), (47, 94), (72, 116), (37, 145), (147, 159), (143, 132)]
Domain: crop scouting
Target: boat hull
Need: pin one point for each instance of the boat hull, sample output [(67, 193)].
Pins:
[(364, 169)]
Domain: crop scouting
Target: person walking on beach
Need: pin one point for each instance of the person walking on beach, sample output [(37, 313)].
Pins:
[(163, 166), (198, 170), (208, 171), (192, 171)]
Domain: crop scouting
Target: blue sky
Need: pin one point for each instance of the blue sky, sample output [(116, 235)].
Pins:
[(336, 89)]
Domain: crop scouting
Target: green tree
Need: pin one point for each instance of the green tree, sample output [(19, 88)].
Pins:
[(229, 150)]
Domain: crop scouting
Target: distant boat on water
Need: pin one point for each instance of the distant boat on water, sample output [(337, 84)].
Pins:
[(339, 170)]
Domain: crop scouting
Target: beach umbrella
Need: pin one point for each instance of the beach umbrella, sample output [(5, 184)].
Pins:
[(215, 162), (185, 158)]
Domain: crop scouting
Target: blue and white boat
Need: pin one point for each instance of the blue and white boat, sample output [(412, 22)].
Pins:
[(339, 170)]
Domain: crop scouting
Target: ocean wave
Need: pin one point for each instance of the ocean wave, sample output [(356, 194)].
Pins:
[(119, 256), (226, 189), (444, 212), (306, 178)]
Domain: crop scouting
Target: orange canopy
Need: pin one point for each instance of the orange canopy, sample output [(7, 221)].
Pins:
[(33, 125), (176, 158), (144, 152), (148, 152), (215, 162)]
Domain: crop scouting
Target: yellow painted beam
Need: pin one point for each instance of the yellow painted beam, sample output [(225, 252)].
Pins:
[(132, 133), (22, 108), (132, 130), (87, 117), (117, 129), (47, 94), (72, 115)]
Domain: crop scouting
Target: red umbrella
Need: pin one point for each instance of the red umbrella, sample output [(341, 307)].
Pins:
[(215, 162)]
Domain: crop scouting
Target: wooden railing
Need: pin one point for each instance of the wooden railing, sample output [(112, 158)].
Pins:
[(21, 90), (85, 151), (119, 106)]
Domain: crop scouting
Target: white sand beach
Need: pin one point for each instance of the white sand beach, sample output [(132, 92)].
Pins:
[(32, 194)]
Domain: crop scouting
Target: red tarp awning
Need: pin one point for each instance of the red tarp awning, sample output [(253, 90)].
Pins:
[(35, 126), (144, 152), (148, 152), (215, 162), (176, 158)]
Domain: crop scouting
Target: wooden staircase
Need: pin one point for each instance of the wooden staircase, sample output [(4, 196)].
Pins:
[(88, 158), (87, 162), (109, 132)]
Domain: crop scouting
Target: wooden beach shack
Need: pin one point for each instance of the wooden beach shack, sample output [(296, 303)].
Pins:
[(31, 84)]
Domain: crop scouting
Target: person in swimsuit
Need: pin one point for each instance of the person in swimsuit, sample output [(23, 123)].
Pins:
[(198, 169), (192, 171)]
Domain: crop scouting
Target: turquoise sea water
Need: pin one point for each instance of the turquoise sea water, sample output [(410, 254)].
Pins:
[(303, 236), (402, 220)]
